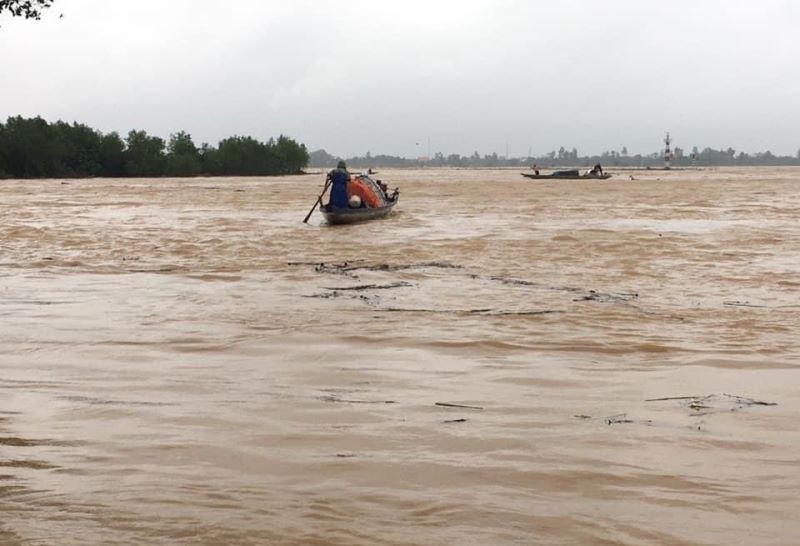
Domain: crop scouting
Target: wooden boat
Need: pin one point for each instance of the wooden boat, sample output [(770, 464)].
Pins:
[(351, 216), (603, 176)]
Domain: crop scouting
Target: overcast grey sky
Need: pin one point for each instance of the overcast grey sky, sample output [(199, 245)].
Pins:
[(353, 76)]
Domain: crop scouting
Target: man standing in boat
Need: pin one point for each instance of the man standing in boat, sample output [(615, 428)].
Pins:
[(339, 178)]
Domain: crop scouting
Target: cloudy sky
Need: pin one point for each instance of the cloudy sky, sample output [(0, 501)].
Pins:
[(352, 76)]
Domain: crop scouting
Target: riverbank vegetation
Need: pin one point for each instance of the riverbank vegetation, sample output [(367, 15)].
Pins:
[(29, 9), (564, 158), (34, 148)]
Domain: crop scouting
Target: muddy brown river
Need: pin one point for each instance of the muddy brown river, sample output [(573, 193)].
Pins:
[(501, 361)]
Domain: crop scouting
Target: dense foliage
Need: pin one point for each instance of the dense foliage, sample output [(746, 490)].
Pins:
[(29, 9), (32, 148), (563, 158)]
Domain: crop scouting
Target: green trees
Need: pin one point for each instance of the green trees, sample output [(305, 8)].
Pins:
[(112, 155), (145, 155), (29, 9), (77, 149), (291, 156), (31, 148), (26, 148), (246, 155), (183, 157)]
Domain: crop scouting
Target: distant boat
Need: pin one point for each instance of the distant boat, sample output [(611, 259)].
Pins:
[(337, 216), (567, 175)]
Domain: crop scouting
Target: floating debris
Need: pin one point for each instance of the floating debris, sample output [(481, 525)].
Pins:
[(485, 311), (324, 295), (449, 405), (318, 264), (349, 269), (713, 403), (401, 284), (521, 313), (672, 398), (504, 280), (337, 269), (336, 399), (423, 310), (402, 267), (749, 401), (618, 419), (594, 295)]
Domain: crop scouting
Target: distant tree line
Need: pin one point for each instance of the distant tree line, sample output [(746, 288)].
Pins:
[(562, 157), (34, 148)]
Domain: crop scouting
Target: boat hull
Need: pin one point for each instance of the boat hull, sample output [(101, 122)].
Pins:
[(352, 216), (566, 177)]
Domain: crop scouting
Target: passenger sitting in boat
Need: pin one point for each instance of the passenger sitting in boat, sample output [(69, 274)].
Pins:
[(384, 188), (339, 178), (597, 170)]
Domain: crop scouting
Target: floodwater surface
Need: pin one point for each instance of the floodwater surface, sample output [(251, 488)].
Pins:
[(501, 361)]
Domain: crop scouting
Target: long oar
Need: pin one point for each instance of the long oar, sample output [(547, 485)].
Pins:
[(318, 201)]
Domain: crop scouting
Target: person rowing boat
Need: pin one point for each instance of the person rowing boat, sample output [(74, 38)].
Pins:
[(339, 179), (354, 199)]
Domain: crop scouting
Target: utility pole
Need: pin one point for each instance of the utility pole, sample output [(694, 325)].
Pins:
[(667, 153)]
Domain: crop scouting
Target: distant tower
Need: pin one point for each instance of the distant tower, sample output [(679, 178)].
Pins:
[(667, 153)]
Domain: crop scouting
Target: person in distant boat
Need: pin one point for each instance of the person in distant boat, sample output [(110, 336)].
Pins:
[(535, 169), (597, 170), (339, 178)]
